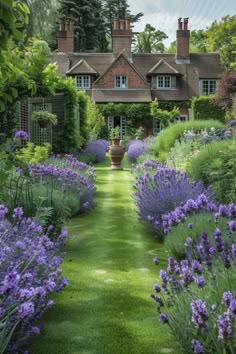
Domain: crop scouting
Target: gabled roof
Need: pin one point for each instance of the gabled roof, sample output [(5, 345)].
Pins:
[(162, 67), (82, 67), (129, 63)]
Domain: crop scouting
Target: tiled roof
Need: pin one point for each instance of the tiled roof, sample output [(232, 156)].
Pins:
[(162, 67), (121, 96), (82, 67)]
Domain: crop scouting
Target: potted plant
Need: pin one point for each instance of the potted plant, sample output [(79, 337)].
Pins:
[(115, 135), (44, 118)]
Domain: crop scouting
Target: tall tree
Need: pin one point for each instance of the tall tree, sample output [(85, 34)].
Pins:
[(119, 8), (219, 39), (89, 27), (150, 40)]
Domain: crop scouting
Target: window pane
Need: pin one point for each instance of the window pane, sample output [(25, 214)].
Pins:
[(167, 81)]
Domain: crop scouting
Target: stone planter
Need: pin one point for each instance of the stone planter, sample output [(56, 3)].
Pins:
[(116, 154)]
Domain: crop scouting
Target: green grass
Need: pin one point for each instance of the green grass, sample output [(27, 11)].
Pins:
[(107, 309)]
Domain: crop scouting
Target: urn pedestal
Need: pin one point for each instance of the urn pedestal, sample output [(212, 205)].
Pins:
[(116, 154)]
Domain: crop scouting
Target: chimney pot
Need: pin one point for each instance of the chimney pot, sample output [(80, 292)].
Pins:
[(127, 23), (180, 24), (186, 23), (116, 23), (122, 24)]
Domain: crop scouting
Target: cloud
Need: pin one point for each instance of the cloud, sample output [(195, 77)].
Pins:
[(164, 14)]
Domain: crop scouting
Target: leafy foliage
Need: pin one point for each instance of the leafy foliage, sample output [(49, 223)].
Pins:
[(216, 165), (162, 115), (31, 154), (206, 107), (167, 137), (150, 40), (95, 119)]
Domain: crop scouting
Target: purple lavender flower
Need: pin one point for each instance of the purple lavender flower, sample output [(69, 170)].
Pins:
[(163, 276), (164, 318), (155, 260), (134, 149), (233, 249), (26, 310), (224, 327), (196, 267), (190, 225), (197, 347), (200, 281), (35, 331), (213, 307), (3, 211), (21, 134), (232, 307), (18, 214), (227, 298), (199, 313), (231, 225), (157, 288)]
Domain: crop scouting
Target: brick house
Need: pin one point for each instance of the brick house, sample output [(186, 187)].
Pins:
[(125, 77)]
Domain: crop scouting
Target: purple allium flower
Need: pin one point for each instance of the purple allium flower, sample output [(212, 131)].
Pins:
[(227, 298), (224, 327), (199, 313), (26, 310), (164, 318), (197, 347), (157, 288), (21, 134), (155, 260)]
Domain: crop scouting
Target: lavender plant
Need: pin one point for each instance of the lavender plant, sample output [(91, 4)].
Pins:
[(163, 192), (135, 148), (29, 274), (97, 148), (197, 298)]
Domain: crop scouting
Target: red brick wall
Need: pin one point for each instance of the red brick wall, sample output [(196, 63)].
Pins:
[(182, 44), (121, 67)]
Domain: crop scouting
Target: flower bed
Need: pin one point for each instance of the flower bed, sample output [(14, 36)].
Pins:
[(135, 148), (197, 294), (162, 192), (96, 149), (29, 274)]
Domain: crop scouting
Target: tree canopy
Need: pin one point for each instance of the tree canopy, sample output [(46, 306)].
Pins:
[(150, 40)]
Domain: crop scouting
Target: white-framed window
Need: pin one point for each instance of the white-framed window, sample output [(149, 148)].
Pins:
[(121, 81), (181, 118), (163, 81), (208, 87), (83, 81)]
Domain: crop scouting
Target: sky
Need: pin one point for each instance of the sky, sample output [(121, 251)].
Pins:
[(164, 14)]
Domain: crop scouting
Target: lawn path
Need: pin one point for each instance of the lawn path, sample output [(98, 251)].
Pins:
[(106, 309)]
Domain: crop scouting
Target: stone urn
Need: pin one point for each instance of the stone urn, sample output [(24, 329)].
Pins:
[(116, 154)]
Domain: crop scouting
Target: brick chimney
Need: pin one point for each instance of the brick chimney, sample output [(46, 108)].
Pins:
[(122, 37), (182, 42), (65, 35)]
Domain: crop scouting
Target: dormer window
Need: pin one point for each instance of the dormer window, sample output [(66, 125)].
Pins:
[(121, 82), (163, 81), (83, 82)]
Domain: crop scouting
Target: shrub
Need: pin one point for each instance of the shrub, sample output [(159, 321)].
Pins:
[(162, 193), (97, 148), (33, 154), (206, 107), (135, 148), (29, 274), (215, 165), (167, 137), (197, 297), (182, 153)]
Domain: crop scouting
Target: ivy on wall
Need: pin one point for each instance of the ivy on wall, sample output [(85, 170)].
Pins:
[(206, 107)]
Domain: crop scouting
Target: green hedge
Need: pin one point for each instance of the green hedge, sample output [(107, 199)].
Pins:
[(215, 165), (205, 108), (167, 137)]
